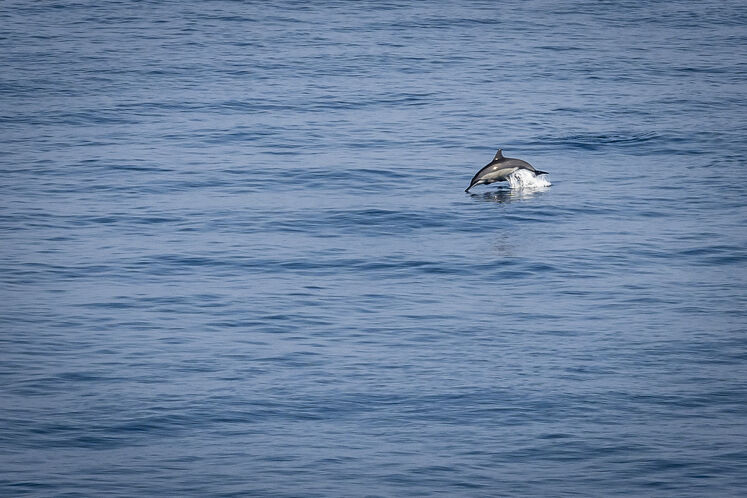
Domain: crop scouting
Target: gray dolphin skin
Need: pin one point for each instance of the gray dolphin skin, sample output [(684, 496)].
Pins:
[(499, 169)]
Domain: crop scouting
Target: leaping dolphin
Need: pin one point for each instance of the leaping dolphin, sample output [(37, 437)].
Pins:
[(499, 169)]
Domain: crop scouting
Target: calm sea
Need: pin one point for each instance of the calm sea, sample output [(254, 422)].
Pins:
[(237, 259)]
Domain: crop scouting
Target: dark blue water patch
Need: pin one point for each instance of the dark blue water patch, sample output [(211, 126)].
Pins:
[(83, 117), (315, 264), (135, 168), (594, 142), (715, 255)]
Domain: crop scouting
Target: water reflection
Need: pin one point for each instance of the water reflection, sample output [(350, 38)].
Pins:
[(506, 194)]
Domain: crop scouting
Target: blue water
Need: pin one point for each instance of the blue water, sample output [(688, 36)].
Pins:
[(237, 258)]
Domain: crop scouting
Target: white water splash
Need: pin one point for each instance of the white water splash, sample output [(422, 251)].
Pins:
[(525, 180)]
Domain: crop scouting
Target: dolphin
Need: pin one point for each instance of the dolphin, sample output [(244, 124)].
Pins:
[(499, 169)]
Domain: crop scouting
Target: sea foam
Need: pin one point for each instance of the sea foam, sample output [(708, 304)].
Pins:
[(526, 180)]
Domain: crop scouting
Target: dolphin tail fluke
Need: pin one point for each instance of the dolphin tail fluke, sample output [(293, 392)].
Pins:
[(538, 172)]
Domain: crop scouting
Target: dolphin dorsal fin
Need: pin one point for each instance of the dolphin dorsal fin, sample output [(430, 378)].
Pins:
[(498, 155)]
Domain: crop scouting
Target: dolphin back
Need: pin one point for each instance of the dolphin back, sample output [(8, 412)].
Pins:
[(510, 162)]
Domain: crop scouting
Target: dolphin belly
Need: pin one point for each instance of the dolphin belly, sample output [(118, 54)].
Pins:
[(498, 175)]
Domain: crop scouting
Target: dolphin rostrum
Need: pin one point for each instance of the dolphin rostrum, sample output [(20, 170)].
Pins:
[(499, 169)]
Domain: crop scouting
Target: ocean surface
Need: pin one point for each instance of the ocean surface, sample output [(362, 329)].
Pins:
[(237, 258)]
